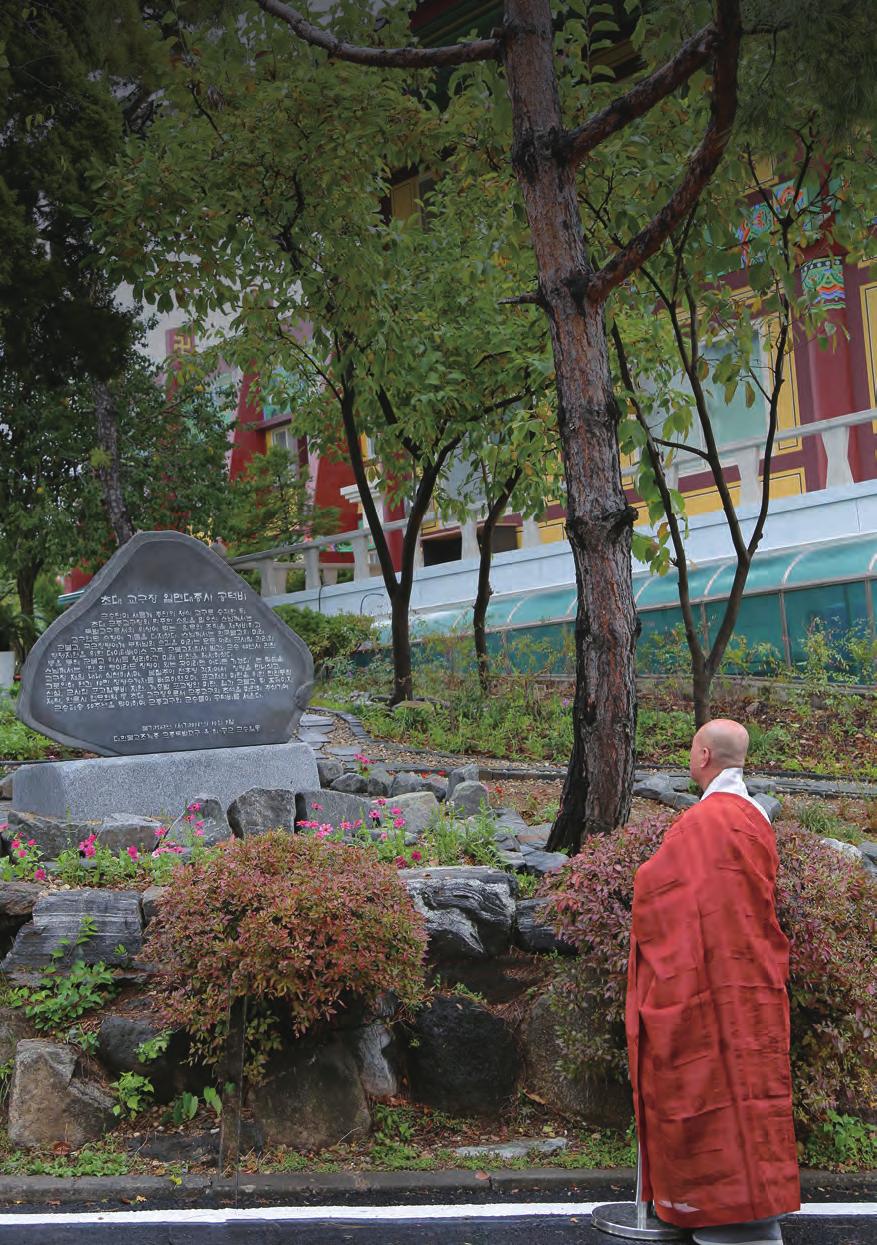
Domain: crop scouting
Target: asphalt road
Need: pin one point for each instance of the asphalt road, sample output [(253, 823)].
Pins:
[(308, 1229)]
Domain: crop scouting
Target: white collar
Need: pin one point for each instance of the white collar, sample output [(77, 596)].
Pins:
[(730, 782)]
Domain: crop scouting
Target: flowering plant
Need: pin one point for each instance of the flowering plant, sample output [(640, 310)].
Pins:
[(23, 862), (300, 926)]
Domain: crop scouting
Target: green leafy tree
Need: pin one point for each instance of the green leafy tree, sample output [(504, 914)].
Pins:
[(404, 351), (270, 504)]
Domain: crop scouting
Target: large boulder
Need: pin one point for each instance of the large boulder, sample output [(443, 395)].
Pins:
[(419, 808), (149, 901), (118, 1048), (469, 910), (377, 1058), (14, 1026), (123, 830), (462, 1058), (469, 798), (52, 835), (540, 863), (379, 780), (17, 900), (407, 784), (261, 809), (592, 1100), (61, 917), (534, 933), (204, 820), (331, 807), (465, 773), (51, 1101), (312, 1097), (350, 784), (328, 770)]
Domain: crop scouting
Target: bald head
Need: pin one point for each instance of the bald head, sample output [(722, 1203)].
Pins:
[(719, 744)]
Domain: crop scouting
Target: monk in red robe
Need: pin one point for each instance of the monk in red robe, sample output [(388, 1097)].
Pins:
[(708, 1013)]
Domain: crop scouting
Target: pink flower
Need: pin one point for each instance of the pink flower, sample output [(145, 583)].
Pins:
[(132, 852), (21, 852), (199, 823), (397, 812), (374, 814), (16, 842), (346, 825), (381, 801), (401, 862), (160, 832), (363, 760), (188, 817), (384, 837), (40, 875), (357, 823), (416, 856), (87, 846), (199, 834), (194, 808), (323, 832), (31, 842), (318, 808), (398, 823)]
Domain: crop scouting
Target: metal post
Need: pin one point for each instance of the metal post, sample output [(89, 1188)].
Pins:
[(632, 1221)]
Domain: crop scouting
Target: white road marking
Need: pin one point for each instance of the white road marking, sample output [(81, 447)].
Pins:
[(363, 1214)]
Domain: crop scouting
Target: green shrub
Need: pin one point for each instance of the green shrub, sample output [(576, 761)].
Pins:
[(300, 926), (827, 906), (18, 742), (330, 637)]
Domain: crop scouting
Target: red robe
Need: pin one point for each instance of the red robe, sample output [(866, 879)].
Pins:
[(708, 1022)]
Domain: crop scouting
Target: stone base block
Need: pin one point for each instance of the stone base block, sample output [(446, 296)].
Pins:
[(160, 784)]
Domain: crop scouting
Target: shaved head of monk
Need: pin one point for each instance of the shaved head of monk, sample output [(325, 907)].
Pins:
[(719, 744)]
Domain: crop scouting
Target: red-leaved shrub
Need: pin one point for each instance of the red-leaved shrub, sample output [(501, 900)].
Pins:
[(827, 906), (299, 926)]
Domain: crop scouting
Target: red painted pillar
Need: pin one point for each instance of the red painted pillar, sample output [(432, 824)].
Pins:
[(830, 371)]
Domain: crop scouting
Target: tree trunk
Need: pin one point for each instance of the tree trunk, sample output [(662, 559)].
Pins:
[(479, 609), (109, 472), (597, 791), (25, 584)]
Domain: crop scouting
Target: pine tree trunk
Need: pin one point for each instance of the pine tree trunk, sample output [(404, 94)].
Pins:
[(109, 472), (596, 794)]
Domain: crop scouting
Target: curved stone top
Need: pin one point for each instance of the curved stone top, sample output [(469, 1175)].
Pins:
[(167, 650)]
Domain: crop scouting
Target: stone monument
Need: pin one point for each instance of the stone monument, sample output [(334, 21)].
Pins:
[(173, 669)]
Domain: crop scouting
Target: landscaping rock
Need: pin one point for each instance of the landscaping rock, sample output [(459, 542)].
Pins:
[(215, 828), (332, 807), (6, 785), (532, 931), (681, 800), (17, 899), (535, 838), (379, 780), (418, 809), (50, 1100), (771, 805), (591, 1100), (468, 797), (312, 1097), (59, 915), (374, 1049), (149, 901), (462, 1059), (514, 1149), (414, 706), (510, 859), (653, 787), (469, 910), (53, 835), (406, 784), (466, 773), (352, 784), (261, 809), (869, 855), (124, 830), (328, 771), (14, 1026), (170, 1073), (541, 863), (846, 849), (509, 819)]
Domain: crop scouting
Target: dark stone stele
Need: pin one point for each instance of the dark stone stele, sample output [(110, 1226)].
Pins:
[(167, 650)]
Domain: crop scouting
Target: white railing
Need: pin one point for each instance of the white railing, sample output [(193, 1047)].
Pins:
[(274, 564), (746, 455)]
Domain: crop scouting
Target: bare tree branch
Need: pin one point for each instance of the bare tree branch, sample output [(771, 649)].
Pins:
[(519, 300), (574, 145), (389, 413), (701, 166), (390, 58)]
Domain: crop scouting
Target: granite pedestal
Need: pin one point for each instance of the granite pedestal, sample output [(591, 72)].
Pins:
[(160, 784)]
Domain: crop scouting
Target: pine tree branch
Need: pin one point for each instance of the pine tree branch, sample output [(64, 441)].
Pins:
[(390, 58), (700, 168), (640, 99)]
